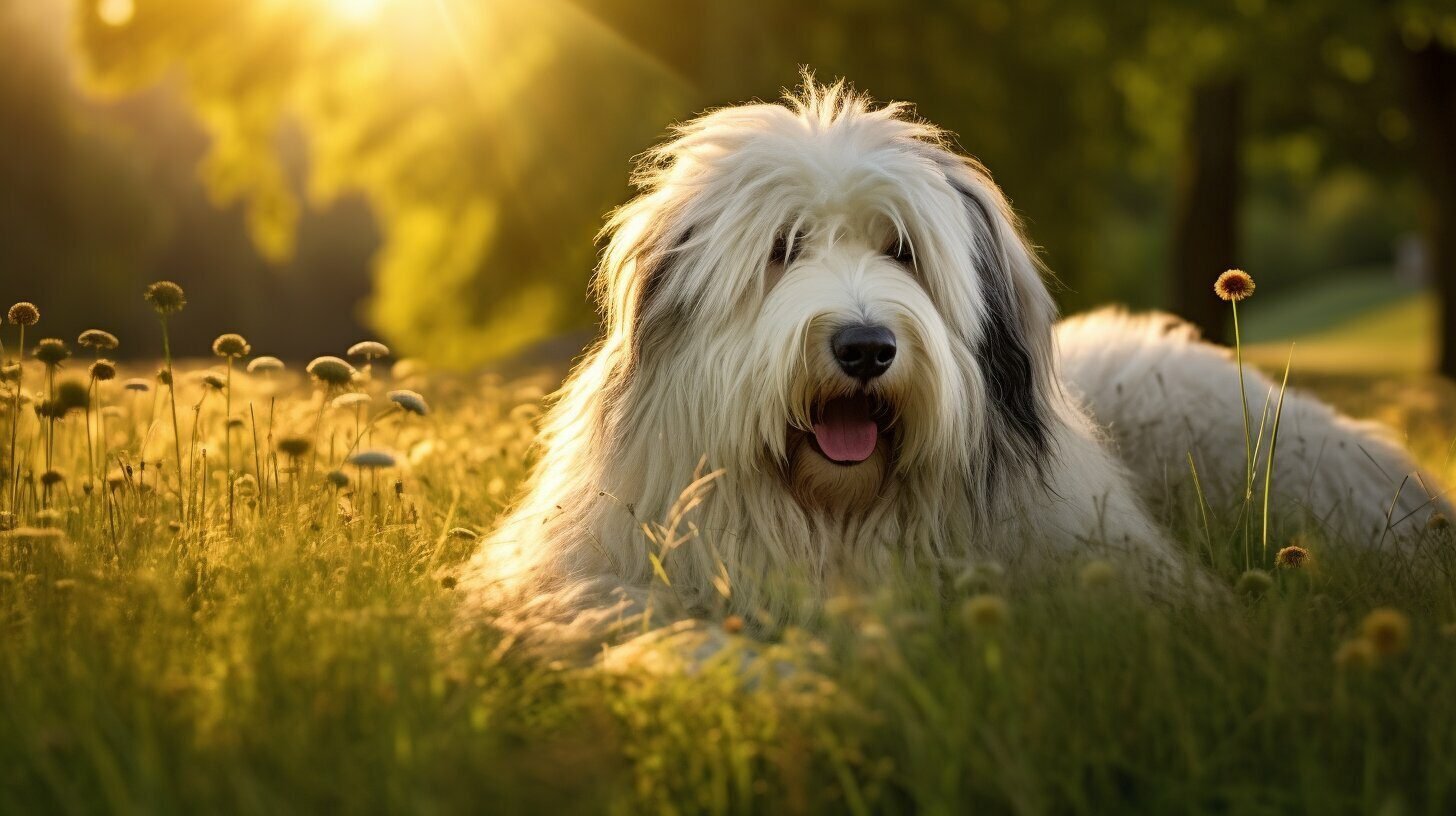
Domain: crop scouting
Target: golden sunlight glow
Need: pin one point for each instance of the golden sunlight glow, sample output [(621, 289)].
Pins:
[(116, 12), (356, 11)]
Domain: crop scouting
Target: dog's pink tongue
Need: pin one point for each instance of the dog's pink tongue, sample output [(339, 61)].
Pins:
[(846, 432)]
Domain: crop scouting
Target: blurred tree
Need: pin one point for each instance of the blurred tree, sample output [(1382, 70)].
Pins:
[(488, 138)]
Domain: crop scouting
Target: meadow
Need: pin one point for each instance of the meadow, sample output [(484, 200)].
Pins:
[(229, 586)]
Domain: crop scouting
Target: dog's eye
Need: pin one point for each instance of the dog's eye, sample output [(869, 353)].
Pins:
[(781, 253), (901, 252)]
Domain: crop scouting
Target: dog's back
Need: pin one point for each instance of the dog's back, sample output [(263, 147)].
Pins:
[(1161, 393)]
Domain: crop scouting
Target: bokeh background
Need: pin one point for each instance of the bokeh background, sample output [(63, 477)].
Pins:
[(433, 172)]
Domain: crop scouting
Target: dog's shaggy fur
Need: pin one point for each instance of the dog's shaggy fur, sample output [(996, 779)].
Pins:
[(683, 452)]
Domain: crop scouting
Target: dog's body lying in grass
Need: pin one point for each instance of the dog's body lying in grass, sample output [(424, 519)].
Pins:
[(830, 357)]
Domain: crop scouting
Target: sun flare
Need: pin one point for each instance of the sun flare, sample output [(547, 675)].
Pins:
[(356, 11)]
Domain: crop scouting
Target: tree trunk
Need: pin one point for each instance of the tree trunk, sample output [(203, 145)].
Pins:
[(1431, 85), (1206, 215)]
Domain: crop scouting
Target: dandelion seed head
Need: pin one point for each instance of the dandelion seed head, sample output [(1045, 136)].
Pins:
[(52, 477), (1254, 583), (264, 365), (72, 395), (1293, 557), (103, 371), (24, 313), (985, 611), (410, 401), (164, 377), (372, 459), (369, 350), (1438, 521), (231, 346), (295, 446), (98, 340), (137, 384), (353, 399), (331, 371), (52, 352), (1234, 285), (166, 297), (1387, 630), (337, 478), (449, 582), (214, 381), (246, 485)]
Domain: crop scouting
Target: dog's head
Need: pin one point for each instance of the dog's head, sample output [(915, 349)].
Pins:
[(824, 288)]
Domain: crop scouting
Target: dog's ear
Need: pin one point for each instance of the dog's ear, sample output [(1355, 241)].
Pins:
[(643, 244), (1015, 344)]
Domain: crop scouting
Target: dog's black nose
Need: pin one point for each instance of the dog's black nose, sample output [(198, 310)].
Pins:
[(864, 352)]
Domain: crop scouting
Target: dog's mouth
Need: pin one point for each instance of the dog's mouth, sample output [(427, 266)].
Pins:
[(847, 429)]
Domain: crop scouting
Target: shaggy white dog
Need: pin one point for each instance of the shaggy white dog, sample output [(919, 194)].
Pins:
[(829, 357)]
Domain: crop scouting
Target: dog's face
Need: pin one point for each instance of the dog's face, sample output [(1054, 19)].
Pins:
[(825, 291)]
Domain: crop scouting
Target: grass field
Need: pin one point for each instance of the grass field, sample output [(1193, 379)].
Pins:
[(171, 646)]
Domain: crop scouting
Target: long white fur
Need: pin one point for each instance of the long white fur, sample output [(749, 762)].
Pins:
[(674, 456), (1162, 393)]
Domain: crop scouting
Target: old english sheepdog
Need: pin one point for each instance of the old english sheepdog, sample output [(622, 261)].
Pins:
[(829, 356)]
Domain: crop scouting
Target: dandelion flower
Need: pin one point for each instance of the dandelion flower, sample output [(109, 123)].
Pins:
[(1097, 574), (1387, 630), (1254, 583), (410, 401), (1355, 654), (231, 346), (331, 371), (351, 400), (369, 350), (985, 612), (103, 370), (51, 351), (1292, 557), (24, 313), (1234, 285), (265, 365), (166, 297), (372, 459), (98, 340), (137, 384)]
